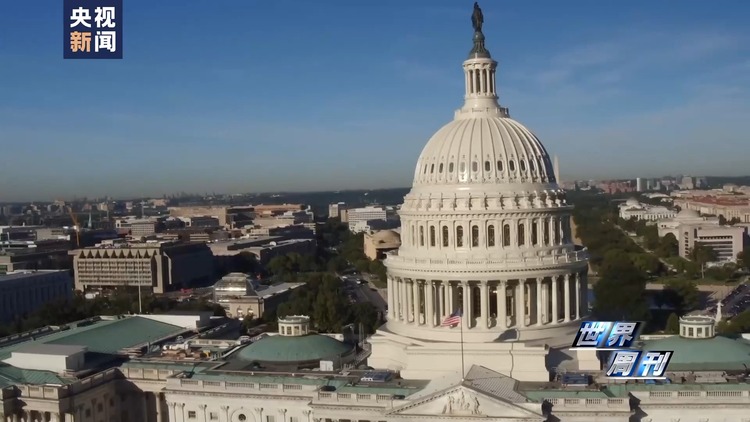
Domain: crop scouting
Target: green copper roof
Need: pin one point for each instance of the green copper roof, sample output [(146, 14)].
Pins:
[(711, 354), (112, 336), (10, 375), (291, 349), (104, 336)]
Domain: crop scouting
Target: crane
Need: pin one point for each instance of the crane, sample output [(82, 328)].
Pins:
[(76, 227)]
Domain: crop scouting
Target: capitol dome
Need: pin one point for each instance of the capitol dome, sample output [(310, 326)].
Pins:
[(485, 234), (491, 150)]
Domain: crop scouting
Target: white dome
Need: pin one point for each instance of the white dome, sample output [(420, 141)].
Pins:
[(485, 229), (632, 202), (483, 149)]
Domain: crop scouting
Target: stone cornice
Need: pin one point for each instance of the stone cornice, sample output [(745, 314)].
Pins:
[(239, 393), (545, 200)]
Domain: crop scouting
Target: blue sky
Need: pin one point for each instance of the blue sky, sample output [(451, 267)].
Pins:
[(247, 96)]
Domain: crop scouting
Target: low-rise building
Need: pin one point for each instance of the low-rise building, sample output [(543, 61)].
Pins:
[(137, 227), (634, 209), (23, 292), (377, 244), (160, 266), (241, 295), (689, 228)]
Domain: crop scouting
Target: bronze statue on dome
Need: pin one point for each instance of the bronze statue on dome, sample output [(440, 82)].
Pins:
[(477, 18)]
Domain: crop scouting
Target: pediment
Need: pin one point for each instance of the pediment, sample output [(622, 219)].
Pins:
[(463, 402)]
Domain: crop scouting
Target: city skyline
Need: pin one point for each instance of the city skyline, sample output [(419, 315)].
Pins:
[(293, 96)]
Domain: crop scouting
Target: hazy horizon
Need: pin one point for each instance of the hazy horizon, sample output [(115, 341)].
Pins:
[(301, 97)]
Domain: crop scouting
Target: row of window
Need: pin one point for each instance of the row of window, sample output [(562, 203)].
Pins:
[(540, 235), (533, 164)]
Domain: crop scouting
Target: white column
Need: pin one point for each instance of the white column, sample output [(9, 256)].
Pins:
[(391, 300), (416, 302), (429, 298), (465, 292), (502, 318), (403, 297), (578, 295), (451, 295), (539, 301), (54, 417), (521, 304), (555, 310), (566, 293), (551, 231), (440, 288), (485, 304), (584, 293)]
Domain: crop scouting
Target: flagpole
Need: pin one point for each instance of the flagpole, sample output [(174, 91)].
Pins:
[(461, 323)]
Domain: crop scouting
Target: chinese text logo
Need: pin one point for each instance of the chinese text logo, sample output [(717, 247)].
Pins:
[(92, 29), (620, 337)]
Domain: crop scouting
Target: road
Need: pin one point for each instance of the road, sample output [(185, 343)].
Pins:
[(365, 292)]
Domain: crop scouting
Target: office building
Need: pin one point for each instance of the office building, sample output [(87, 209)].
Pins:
[(23, 292), (690, 228), (160, 266)]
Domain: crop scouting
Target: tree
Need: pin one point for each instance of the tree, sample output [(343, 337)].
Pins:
[(668, 246), (702, 254), (743, 259), (621, 291), (646, 263), (722, 220), (673, 324), (682, 295)]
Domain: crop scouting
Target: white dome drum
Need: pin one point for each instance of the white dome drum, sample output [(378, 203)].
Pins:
[(485, 230)]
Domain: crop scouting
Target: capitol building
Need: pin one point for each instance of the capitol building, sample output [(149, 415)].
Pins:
[(486, 246)]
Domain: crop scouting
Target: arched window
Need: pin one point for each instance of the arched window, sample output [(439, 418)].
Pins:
[(460, 236), (511, 165), (450, 167), (487, 166), (521, 234), (557, 231), (414, 234), (545, 228), (534, 233), (432, 168), (475, 236), (499, 165), (506, 235), (490, 236), (445, 236), (421, 236), (432, 235), (440, 168), (522, 164), (474, 166)]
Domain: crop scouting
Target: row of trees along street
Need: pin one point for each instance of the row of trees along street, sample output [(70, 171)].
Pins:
[(624, 267)]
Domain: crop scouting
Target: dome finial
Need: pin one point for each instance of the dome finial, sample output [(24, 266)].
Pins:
[(477, 20)]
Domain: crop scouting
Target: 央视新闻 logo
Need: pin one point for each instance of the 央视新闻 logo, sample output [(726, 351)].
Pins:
[(92, 29)]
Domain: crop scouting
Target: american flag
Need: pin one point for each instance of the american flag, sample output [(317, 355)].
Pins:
[(453, 319)]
